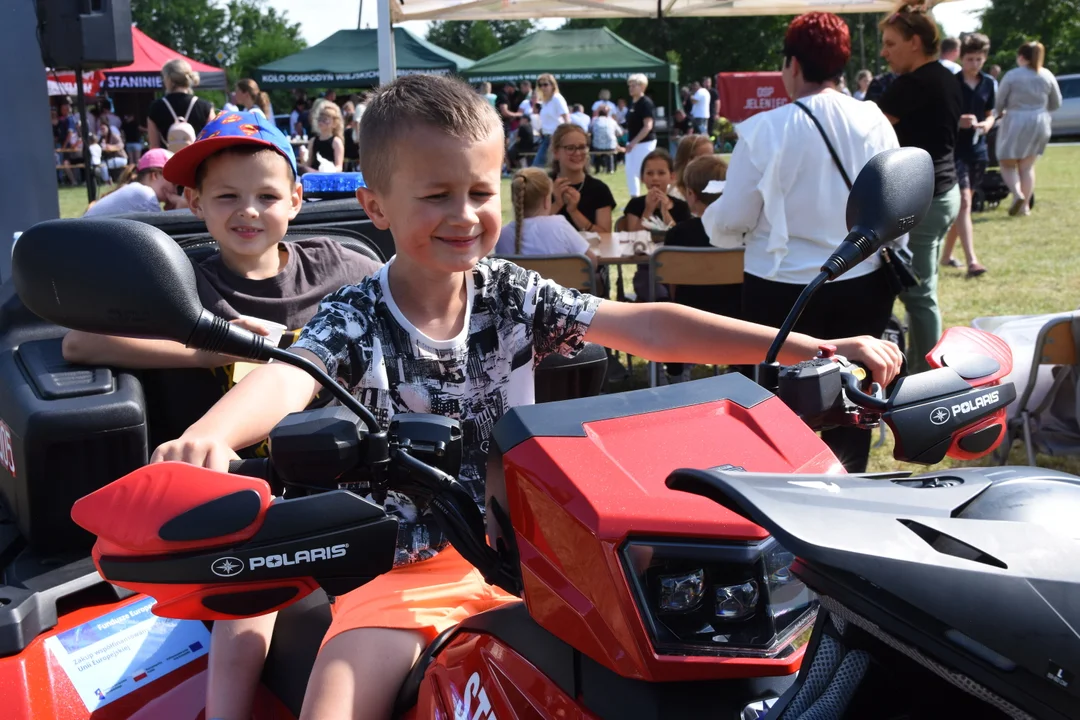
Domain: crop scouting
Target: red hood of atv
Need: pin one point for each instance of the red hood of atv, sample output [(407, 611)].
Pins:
[(575, 500)]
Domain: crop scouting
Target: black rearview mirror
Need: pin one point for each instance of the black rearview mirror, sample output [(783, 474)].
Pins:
[(108, 276), (890, 196), (121, 277)]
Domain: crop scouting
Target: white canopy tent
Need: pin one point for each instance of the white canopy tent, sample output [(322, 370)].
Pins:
[(391, 11), (524, 9)]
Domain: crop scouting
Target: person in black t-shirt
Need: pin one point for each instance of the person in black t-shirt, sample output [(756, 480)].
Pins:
[(972, 156), (180, 81), (640, 120), (584, 200), (923, 104), (507, 103), (719, 299), (657, 172)]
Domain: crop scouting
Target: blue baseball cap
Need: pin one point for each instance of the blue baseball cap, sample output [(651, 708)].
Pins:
[(227, 129)]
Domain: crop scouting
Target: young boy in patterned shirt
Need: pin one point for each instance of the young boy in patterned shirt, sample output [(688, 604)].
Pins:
[(442, 329)]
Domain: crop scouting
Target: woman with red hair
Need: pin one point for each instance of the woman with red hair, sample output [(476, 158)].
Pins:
[(785, 196)]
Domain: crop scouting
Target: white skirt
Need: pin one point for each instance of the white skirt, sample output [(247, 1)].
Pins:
[(1022, 133)]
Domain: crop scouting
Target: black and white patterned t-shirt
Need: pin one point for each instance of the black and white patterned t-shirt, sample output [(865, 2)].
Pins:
[(513, 319)]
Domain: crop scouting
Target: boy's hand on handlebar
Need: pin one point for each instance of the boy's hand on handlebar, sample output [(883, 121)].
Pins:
[(882, 358), (204, 452)]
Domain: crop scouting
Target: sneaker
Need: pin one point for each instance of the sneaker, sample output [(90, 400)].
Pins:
[(1019, 205)]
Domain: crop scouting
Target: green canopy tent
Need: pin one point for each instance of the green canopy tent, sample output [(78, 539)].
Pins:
[(350, 59), (594, 55)]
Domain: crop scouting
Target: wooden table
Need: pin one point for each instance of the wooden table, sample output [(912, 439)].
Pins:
[(622, 248)]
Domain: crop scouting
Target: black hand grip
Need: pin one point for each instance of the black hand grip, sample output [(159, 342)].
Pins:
[(255, 467)]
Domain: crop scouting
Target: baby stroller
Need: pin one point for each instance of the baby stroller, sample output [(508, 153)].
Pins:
[(992, 190)]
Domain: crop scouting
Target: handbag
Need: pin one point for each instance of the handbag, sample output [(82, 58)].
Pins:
[(899, 271)]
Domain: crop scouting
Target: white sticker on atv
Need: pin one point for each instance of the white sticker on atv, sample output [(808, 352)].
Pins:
[(476, 704), (120, 652)]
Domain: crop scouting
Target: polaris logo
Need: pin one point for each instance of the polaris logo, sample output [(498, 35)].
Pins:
[(227, 566), (969, 406), (299, 557)]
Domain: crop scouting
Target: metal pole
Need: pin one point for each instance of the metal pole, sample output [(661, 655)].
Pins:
[(360, 16), (862, 42), (91, 189), (32, 197), (387, 66)]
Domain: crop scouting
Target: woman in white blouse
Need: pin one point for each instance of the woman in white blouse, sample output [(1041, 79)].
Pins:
[(785, 198), (553, 112)]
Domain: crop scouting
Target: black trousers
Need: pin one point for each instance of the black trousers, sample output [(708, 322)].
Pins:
[(860, 306)]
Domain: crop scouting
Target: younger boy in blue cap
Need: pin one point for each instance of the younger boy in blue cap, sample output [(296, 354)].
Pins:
[(240, 177)]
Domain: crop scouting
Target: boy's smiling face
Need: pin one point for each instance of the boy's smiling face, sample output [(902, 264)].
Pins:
[(247, 202), (442, 204)]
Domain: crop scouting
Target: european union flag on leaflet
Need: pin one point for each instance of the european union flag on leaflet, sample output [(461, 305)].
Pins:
[(195, 647)]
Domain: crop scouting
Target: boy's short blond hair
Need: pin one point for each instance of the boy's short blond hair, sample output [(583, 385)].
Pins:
[(443, 103), (700, 172)]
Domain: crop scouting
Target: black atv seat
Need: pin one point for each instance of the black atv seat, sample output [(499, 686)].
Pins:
[(177, 397), (200, 247)]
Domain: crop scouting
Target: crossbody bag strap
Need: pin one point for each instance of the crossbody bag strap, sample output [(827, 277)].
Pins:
[(829, 145)]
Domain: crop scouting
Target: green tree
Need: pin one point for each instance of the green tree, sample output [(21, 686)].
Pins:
[(476, 39), (706, 45), (1054, 23), (191, 27), (245, 30)]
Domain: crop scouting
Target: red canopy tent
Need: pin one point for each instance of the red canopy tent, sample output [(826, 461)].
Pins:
[(143, 74)]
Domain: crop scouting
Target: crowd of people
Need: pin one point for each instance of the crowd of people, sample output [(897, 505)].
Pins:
[(621, 131), (324, 133)]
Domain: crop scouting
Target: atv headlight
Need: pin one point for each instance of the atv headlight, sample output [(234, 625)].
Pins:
[(718, 599)]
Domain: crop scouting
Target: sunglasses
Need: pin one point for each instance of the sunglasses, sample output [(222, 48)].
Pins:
[(543, 84), (575, 148)]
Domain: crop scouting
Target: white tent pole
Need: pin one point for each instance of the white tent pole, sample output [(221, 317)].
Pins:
[(387, 63)]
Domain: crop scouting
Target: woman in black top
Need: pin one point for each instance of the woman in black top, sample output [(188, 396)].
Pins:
[(923, 104), (582, 199), (180, 81), (640, 119)]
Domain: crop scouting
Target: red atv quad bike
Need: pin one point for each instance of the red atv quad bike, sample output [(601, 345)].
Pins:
[(637, 601)]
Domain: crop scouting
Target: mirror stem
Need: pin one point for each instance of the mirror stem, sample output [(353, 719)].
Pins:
[(794, 315), (857, 246), (341, 394)]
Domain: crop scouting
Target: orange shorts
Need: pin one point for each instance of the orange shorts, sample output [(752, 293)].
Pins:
[(427, 596)]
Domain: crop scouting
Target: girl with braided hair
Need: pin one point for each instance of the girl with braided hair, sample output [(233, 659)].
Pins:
[(534, 231)]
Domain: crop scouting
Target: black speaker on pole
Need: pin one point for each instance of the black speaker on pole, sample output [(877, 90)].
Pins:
[(85, 33)]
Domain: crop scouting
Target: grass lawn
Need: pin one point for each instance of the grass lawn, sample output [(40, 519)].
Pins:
[(1034, 262)]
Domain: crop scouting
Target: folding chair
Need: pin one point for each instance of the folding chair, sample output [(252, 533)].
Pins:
[(692, 266), (570, 271), (1046, 413)]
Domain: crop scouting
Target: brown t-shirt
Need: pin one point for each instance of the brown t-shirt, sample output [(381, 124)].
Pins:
[(316, 267)]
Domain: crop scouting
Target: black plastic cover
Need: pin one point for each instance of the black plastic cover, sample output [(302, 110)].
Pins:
[(900, 556), (315, 447), (924, 429), (249, 602), (64, 448), (54, 378), (221, 516), (358, 550), (811, 388), (29, 606)]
